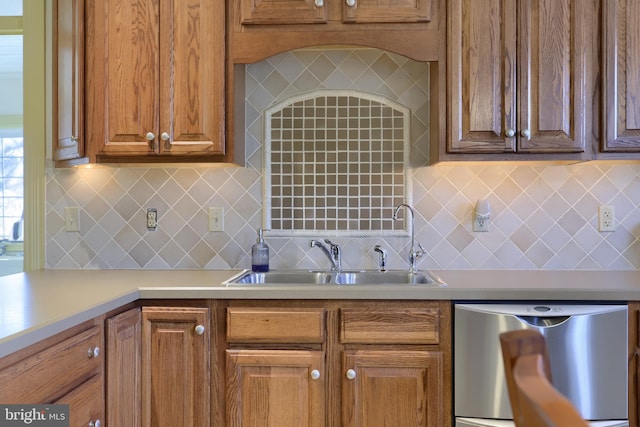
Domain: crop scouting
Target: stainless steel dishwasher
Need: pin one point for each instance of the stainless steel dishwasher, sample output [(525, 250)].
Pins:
[(587, 347)]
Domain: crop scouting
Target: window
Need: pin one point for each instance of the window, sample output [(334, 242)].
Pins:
[(11, 130)]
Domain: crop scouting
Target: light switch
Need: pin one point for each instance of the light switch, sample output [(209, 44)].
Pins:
[(72, 218), (216, 219)]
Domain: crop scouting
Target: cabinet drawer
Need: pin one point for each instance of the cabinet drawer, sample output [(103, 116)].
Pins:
[(275, 325), (390, 325), (50, 373), (85, 403)]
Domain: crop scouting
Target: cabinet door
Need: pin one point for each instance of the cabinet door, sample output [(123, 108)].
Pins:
[(192, 83), (374, 11), (482, 76), (123, 76), (123, 343), (554, 52), (519, 76), (392, 388), (155, 80), (175, 361), (621, 76), (275, 388), (86, 403), (69, 80)]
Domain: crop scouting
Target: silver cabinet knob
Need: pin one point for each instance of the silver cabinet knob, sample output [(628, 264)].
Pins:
[(74, 138), (351, 3), (315, 374), (199, 329), (351, 374), (319, 3), (165, 136), (525, 133), (150, 136), (93, 352), (95, 423), (510, 133)]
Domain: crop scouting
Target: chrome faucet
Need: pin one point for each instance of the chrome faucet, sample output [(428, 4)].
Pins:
[(382, 264), (414, 254), (333, 252)]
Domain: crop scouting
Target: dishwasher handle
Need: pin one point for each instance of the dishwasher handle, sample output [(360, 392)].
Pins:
[(543, 321)]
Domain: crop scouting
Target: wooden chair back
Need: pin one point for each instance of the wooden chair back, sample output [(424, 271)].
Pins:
[(534, 400)]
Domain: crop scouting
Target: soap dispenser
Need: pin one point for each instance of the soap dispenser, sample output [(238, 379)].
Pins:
[(260, 254)]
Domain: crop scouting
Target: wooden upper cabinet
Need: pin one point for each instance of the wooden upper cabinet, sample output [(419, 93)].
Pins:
[(68, 72), (621, 76), (317, 11), (155, 80), (519, 76)]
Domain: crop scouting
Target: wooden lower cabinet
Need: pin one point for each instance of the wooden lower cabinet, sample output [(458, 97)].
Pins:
[(66, 368), (158, 367), (382, 388), (275, 388), (373, 363)]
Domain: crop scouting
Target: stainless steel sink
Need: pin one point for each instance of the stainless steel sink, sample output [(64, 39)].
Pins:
[(356, 277), (292, 277), (384, 278)]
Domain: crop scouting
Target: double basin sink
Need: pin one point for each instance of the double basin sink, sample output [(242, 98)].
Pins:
[(351, 277)]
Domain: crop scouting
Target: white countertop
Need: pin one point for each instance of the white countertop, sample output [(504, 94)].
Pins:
[(36, 305)]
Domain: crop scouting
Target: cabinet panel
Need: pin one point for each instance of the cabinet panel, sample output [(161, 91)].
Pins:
[(399, 388), (124, 370), (274, 388), (175, 361), (621, 76)]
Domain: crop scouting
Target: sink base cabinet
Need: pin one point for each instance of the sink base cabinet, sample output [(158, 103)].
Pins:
[(372, 363)]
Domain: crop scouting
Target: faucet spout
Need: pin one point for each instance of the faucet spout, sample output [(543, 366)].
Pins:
[(414, 254), (332, 251)]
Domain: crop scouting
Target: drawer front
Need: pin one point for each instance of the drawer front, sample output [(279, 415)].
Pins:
[(52, 372), (85, 403), (275, 325), (390, 326)]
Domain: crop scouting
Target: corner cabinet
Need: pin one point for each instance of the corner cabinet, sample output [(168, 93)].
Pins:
[(158, 366), (520, 79), (620, 81), (349, 363), (155, 83)]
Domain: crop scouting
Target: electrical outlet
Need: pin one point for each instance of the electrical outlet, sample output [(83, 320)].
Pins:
[(480, 223), (606, 218), (72, 218), (152, 219), (216, 219)]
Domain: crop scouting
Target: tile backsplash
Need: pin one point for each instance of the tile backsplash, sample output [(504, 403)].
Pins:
[(543, 216)]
